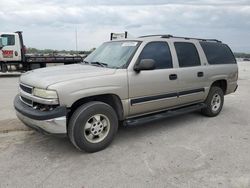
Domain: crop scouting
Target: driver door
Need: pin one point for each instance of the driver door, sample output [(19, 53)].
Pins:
[(153, 90)]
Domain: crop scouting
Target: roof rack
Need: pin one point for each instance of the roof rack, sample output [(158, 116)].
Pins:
[(162, 36), (186, 38)]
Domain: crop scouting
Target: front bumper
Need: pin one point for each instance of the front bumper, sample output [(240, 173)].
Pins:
[(50, 122)]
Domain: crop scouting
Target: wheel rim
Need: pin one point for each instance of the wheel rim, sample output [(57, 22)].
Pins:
[(96, 128), (216, 102)]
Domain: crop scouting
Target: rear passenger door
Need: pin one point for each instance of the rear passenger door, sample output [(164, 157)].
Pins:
[(191, 73)]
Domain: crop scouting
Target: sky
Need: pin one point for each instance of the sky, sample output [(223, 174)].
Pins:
[(52, 24)]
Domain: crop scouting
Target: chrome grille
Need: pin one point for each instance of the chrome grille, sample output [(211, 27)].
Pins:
[(27, 97), (28, 90), (25, 88)]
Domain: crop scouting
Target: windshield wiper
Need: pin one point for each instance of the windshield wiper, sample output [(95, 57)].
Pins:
[(99, 63)]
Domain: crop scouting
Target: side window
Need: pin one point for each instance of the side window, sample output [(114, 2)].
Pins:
[(217, 53), (187, 54), (8, 40), (158, 51)]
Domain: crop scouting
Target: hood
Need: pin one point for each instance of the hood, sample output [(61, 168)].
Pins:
[(44, 77)]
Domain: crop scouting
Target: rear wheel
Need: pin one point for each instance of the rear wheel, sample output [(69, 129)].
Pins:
[(214, 102), (4, 67), (93, 126)]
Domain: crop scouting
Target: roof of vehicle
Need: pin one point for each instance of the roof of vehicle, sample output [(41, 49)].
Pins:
[(169, 37), (6, 33)]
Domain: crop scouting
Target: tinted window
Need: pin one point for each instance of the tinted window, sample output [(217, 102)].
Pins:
[(8, 40), (187, 54), (158, 51), (217, 53)]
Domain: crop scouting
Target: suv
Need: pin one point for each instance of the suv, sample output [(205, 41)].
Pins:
[(127, 81)]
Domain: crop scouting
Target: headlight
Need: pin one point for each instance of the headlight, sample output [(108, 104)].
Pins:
[(43, 93)]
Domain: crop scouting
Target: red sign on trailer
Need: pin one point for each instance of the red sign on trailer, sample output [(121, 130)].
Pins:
[(7, 53)]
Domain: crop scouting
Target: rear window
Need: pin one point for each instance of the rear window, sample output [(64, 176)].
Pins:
[(187, 54), (217, 53)]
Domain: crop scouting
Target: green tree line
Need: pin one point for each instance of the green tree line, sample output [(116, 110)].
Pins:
[(51, 51), (242, 55)]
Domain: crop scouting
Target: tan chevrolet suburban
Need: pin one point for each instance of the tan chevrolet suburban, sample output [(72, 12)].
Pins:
[(127, 81)]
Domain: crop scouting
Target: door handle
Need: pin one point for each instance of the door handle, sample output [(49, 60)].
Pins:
[(172, 76), (200, 74)]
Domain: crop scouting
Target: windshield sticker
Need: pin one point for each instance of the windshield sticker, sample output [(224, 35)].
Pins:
[(129, 44)]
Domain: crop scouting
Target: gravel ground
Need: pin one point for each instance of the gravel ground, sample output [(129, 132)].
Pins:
[(185, 151)]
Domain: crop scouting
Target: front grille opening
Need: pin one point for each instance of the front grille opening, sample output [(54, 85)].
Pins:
[(38, 106), (44, 107), (26, 101), (26, 89)]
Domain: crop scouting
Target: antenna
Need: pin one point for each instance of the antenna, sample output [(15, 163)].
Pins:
[(76, 40)]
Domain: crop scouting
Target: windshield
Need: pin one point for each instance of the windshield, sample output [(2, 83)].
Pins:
[(113, 54)]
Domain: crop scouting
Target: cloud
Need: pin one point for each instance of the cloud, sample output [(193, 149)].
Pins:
[(51, 24)]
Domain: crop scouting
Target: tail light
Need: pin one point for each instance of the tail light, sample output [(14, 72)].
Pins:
[(24, 50)]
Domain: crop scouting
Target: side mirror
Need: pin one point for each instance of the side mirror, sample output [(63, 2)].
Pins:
[(1, 43), (145, 64)]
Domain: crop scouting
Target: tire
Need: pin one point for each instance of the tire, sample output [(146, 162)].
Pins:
[(4, 68), (214, 102), (93, 126), (35, 66)]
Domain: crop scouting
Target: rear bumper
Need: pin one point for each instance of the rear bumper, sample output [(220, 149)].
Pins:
[(50, 122)]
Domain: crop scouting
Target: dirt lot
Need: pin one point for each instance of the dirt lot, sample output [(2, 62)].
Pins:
[(186, 151)]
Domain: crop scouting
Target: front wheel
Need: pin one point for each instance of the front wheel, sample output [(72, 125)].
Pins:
[(214, 102), (93, 126)]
